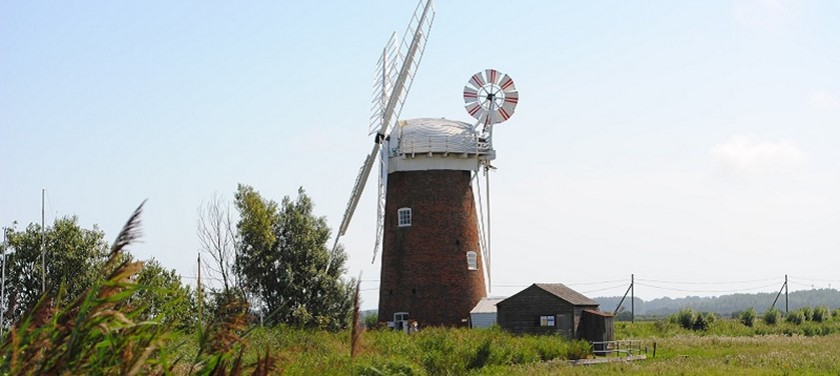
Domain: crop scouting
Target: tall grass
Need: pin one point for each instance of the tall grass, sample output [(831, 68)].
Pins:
[(101, 332)]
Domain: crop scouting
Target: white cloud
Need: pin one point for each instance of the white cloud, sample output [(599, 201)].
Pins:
[(824, 100), (749, 154)]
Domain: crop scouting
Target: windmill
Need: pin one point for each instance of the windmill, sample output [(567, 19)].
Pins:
[(428, 226)]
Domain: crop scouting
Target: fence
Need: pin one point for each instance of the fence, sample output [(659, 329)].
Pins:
[(624, 348)]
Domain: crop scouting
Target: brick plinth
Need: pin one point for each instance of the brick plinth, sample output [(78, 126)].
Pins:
[(424, 266)]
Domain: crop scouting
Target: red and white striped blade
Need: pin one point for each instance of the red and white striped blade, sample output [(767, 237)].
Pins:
[(470, 94), (506, 111), (508, 106), (477, 80), (512, 97), (507, 84), (475, 110), (492, 76)]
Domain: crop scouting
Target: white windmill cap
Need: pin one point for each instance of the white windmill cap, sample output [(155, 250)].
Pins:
[(437, 135)]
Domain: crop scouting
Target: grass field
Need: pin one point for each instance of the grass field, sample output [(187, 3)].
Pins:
[(727, 348)]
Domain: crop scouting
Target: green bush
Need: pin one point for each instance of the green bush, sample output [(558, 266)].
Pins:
[(771, 317), (701, 321), (820, 314), (578, 350), (371, 320), (684, 318), (796, 317), (748, 317), (808, 313)]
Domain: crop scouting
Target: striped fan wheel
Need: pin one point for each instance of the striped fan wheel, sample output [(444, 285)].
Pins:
[(490, 97)]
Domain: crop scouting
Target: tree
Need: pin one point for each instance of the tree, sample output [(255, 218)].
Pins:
[(283, 260), (162, 296), (217, 238), (74, 257)]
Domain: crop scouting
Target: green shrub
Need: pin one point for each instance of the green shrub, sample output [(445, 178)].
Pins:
[(579, 349), (808, 313), (701, 321), (684, 318), (820, 314), (748, 317), (796, 317), (371, 320), (771, 317)]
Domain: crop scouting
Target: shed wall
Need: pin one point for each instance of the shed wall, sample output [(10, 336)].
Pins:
[(482, 320), (521, 313)]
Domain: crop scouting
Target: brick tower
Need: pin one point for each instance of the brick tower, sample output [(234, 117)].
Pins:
[(432, 269)]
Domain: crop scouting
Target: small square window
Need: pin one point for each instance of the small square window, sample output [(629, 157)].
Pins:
[(472, 260), (546, 320), (404, 217)]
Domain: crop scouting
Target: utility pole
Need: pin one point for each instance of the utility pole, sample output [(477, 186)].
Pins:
[(3, 286), (632, 298), (43, 245), (199, 288), (786, 295)]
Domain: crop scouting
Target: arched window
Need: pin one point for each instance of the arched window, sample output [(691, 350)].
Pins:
[(472, 261), (404, 217)]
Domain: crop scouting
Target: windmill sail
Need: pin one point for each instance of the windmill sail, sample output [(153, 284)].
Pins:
[(393, 78)]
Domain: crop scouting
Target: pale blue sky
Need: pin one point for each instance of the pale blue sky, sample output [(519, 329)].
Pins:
[(680, 141)]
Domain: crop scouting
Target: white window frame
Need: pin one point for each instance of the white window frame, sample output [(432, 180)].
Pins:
[(472, 260), (403, 217), (400, 316)]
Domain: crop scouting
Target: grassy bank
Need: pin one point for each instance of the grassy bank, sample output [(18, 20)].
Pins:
[(728, 347)]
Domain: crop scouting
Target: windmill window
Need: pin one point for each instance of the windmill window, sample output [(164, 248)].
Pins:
[(404, 217), (472, 260)]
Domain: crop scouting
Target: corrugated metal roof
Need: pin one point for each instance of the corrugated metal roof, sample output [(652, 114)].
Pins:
[(561, 291), (486, 305)]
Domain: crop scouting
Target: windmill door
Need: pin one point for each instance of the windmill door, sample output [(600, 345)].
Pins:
[(564, 325)]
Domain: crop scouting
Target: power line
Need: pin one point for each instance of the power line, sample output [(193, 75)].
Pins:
[(713, 291), (816, 279), (707, 283), (597, 283), (604, 289)]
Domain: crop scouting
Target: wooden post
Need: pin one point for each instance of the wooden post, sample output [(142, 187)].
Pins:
[(43, 245), (199, 288), (632, 298), (786, 295)]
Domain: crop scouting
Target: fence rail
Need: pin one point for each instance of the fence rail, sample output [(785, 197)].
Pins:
[(618, 348)]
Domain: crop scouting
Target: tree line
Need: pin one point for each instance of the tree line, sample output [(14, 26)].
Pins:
[(727, 304), (274, 256)]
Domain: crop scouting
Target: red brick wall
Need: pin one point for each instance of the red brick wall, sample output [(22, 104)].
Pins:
[(424, 266)]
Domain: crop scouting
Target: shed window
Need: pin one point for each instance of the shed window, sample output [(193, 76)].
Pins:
[(546, 320), (404, 217), (472, 261)]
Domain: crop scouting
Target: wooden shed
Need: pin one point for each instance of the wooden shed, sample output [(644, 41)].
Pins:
[(597, 326), (553, 308)]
